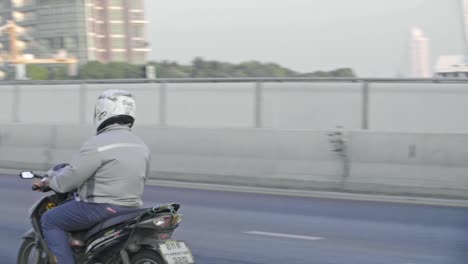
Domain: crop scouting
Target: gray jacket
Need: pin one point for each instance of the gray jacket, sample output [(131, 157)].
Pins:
[(111, 167)]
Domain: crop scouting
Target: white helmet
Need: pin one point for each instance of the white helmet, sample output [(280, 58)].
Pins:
[(114, 106)]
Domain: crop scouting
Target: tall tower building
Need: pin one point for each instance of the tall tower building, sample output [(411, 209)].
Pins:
[(464, 8), (102, 30), (419, 54), (116, 30), (456, 66)]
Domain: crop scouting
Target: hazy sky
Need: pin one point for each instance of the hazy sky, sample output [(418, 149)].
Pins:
[(370, 36)]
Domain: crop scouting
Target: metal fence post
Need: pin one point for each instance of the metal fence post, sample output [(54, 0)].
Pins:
[(258, 101), (15, 114), (162, 104), (365, 105), (82, 103)]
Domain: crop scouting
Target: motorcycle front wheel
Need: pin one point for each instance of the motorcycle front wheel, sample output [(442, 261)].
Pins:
[(146, 257), (28, 253)]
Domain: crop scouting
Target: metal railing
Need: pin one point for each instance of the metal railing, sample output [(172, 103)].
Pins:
[(240, 80), (257, 91)]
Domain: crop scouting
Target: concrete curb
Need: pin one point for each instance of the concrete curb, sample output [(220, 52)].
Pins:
[(313, 194)]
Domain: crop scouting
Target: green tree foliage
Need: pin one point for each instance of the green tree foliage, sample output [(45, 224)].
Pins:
[(199, 68), (59, 73), (338, 73), (214, 69), (113, 70), (36, 72), (172, 69), (92, 70)]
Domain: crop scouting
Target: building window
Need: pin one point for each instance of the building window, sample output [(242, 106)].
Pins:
[(70, 42), (53, 43), (137, 16), (29, 16), (138, 31), (18, 16), (101, 44), (116, 29), (17, 3), (29, 30), (117, 3), (116, 14), (57, 43), (99, 14), (21, 3), (91, 43), (140, 44), (136, 4), (99, 29), (102, 57), (119, 56), (139, 57), (118, 43), (91, 26)]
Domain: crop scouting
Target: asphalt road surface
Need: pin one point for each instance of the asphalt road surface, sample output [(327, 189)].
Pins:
[(242, 228)]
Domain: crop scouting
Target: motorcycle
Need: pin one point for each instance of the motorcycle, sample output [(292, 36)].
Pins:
[(141, 236)]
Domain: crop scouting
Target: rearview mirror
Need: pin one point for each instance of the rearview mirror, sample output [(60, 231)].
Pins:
[(27, 175)]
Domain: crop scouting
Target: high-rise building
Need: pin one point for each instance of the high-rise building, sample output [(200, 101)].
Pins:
[(456, 66), (451, 66), (464, 6), (101, 30), (419, 54)]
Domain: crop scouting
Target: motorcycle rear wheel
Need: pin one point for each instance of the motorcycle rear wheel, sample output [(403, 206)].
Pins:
[(27, 253), (146, 257)]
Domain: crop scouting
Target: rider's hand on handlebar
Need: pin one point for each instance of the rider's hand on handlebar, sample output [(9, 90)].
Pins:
[(40, 185)]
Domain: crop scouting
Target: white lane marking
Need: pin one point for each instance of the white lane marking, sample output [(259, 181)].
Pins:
[(283, 235)]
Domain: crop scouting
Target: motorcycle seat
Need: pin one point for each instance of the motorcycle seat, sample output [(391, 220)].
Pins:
[(114, 220)]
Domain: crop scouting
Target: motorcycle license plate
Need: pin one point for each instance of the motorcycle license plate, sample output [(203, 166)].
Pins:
[(176, 252)]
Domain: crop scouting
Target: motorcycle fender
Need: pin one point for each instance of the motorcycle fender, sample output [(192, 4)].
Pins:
[(29, 234)]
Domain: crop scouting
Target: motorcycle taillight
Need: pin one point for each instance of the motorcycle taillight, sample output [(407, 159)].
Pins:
[(163, 221), (164, 236)]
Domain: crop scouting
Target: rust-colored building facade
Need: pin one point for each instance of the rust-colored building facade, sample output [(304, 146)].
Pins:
[(116, 31), (90, 30)]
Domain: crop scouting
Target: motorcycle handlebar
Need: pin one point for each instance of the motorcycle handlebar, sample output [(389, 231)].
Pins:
[(42, 189), (39, 176)]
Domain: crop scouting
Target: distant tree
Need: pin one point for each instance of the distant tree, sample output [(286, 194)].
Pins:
[(92, 70), (36, 72), (113, 70), (59, 73), (202, 68), (343, 72), (199, 68), (168, 69), (338, 73)]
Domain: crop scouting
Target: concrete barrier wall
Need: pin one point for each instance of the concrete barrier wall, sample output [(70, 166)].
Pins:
[(409, 163), (386, 163), (291, 159)]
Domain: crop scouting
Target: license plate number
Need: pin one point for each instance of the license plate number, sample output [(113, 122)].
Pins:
[(176, 252)]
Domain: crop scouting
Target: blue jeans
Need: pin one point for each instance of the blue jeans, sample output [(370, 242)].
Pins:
[(73, 216)]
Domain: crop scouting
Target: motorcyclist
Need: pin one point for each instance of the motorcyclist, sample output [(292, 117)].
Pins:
[(109, 173)]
